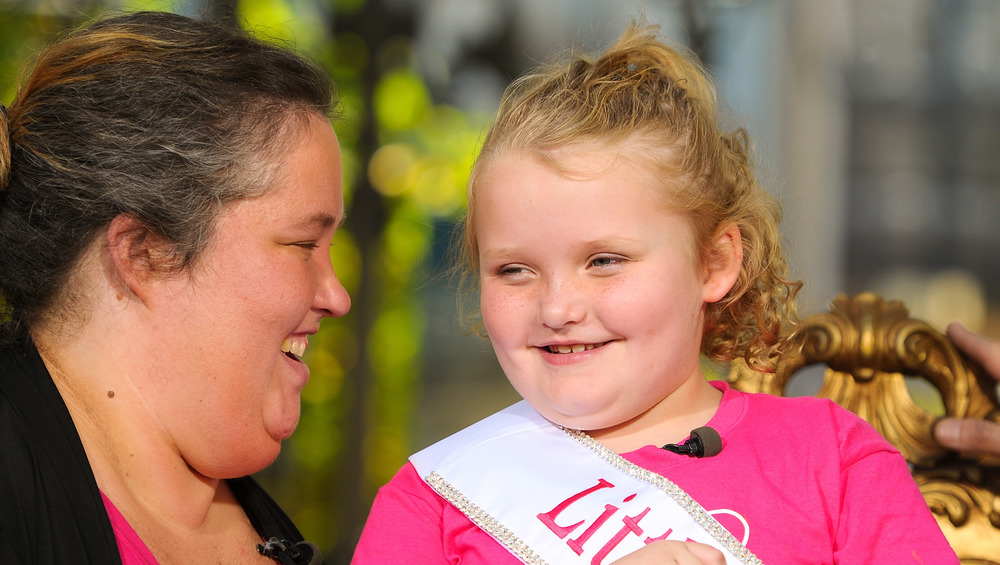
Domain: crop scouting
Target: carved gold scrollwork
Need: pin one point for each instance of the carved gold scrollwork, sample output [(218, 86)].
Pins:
[(868, 345), (952, 492)]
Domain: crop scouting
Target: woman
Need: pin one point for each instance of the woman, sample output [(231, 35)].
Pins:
[(170, 190)]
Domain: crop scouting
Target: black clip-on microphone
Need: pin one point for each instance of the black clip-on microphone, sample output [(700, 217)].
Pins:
[(704, 442)]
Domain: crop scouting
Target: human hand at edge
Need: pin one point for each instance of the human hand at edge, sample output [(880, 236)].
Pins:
[(670, 552), (969, 434)]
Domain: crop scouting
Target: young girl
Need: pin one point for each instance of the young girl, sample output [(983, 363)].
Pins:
[(616, 234)]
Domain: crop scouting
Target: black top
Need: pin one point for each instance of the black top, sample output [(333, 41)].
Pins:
[(51, 510)]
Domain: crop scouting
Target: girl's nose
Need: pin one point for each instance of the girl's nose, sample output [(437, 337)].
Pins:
[(562, 304)]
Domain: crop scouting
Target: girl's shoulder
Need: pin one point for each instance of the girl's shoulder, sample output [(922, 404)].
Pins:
[(793, 414), (795, 406), (812, 421)]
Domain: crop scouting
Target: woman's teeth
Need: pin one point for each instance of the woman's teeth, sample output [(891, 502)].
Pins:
[(296, 347)]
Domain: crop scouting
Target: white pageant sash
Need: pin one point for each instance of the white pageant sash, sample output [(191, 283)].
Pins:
[(551, 495)]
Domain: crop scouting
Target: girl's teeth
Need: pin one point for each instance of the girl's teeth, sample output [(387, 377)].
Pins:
[(571, 348)]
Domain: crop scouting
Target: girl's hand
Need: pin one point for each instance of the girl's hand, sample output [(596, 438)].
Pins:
[(669, 552)]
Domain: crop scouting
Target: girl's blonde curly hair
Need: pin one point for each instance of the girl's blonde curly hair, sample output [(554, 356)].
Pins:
[(659, 101)]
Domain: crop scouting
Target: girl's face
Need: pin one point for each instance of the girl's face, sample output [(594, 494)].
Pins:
[(227, 382), (592, 293)]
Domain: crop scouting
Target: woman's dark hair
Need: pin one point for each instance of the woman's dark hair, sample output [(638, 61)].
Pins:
[(149, 114)]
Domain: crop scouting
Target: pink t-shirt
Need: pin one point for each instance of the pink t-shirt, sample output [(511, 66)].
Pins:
[(130, 546), (814, 484)]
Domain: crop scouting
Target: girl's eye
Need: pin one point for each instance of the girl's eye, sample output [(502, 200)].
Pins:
[(512, 272), (606, 261)]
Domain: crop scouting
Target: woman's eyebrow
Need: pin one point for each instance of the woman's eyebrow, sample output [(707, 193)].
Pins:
[(322, 220)]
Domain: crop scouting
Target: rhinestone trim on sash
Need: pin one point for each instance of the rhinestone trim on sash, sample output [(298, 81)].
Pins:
[(487, 523)]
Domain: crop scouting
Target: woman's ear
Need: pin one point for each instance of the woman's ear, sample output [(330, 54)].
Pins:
[(722, 264), (137, 253)]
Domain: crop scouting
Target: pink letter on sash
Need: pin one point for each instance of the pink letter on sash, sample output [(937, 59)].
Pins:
[(549, 518), (631, 525), (577, 544), (664, 536)]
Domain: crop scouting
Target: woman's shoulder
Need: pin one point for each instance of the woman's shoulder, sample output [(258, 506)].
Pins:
[(53, 510), (28, 400)]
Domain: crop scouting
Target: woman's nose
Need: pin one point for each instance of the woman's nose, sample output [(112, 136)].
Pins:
[(331, 296)]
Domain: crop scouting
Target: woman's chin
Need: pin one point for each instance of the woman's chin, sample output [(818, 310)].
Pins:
[(283, 429), (238, 463), (281, 415)]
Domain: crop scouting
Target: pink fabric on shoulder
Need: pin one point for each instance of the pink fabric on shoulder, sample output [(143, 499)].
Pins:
[(130, 545)]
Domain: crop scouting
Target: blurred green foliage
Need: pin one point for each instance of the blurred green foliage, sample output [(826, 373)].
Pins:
[(402, 152)]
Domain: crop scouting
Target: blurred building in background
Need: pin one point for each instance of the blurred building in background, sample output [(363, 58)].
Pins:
[(876, 123)]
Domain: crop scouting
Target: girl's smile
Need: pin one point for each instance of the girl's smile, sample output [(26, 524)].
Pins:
[(574, 348)]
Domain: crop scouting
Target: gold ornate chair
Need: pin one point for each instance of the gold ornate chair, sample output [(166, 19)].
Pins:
[(869, 345)]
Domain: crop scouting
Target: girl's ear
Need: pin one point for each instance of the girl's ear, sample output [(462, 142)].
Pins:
[(137, 254), (723, 264)]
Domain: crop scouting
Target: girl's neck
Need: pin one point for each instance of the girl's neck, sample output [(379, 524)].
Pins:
[(671, 420)]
